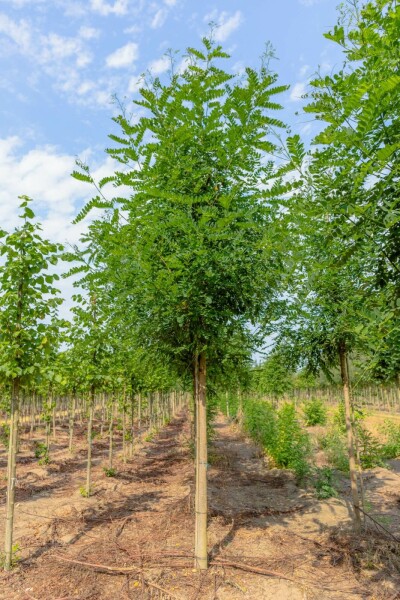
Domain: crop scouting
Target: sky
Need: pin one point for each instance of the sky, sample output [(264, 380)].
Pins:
[(62, 61)]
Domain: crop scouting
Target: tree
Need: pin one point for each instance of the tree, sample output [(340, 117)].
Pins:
[(194, 264), (355, 165), (28, 326)]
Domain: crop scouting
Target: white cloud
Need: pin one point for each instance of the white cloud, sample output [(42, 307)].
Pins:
[(45, 175), (56, 48), (89, 33), (226, 23), (159, 18), (19, 32), (170, 2), (161, 65), (123, 57), (119, 7), (297, 91), (309, 2)]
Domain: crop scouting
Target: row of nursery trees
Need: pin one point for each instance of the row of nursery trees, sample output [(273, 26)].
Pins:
[(219, 229)]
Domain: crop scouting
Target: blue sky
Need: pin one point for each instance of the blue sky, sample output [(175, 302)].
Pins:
[(62, 60)]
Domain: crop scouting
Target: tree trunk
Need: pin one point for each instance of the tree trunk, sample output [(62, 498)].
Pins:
[(11, 474), (89, 441), (201, 467), (110, 434), (71, 421), (350, 438)]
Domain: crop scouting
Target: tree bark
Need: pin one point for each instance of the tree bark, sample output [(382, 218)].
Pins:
[(11, 474), (89, 441), (350, 437), (201, 559), (71, 421)]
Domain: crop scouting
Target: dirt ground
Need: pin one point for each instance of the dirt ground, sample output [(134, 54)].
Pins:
[(268, 538)]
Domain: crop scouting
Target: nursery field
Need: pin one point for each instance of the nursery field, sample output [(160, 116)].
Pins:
[(271, 534)]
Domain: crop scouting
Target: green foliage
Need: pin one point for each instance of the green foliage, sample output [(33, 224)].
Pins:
[(196, 257), (273, 376), (15, 550), (111, 472), (4, 434), (292, 449), (315, 412), (334, 445), (279, 433), (28, 299), (261, 423), (370, 449), (391, 446), (84, 493), (149, 437), (41, 451), (212, 410), (324, 483)]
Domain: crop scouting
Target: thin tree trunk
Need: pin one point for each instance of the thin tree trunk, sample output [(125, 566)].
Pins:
[(350, 438), (89, 441), (140, 414), (200, 553), (110, 434), (11, 474), (71, 421)]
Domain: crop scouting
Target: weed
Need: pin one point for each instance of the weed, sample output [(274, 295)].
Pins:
[(391, 448), (149, 436), (371, 450), (4, 434), (42, 453), (84, 493), (324, 483), (110, 472), (293, 447), (334, 445), (16, 548), (315, 412)]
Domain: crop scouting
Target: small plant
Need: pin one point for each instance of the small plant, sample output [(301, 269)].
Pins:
[(111, 472), (40, 449), (4, 434), (149, 436), (42, 453), (324, 483), (315, 412), (391, 430), (84, 493), (371, 450), (16, 548), (334, 445), (293, 446)]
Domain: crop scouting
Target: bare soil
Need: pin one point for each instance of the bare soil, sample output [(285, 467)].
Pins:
[(268, 537)]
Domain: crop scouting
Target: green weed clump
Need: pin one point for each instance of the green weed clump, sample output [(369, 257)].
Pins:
[(315, 413), (370, 449), (4, 434), (293, 446), (261, 423), (110, 472), (334, 445), (391, 447), (280, 434), (42, 453), (15, 558), (324, 483)]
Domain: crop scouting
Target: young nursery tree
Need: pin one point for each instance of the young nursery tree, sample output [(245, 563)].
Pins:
[(356, 166), (28, 326), (195, 261)]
